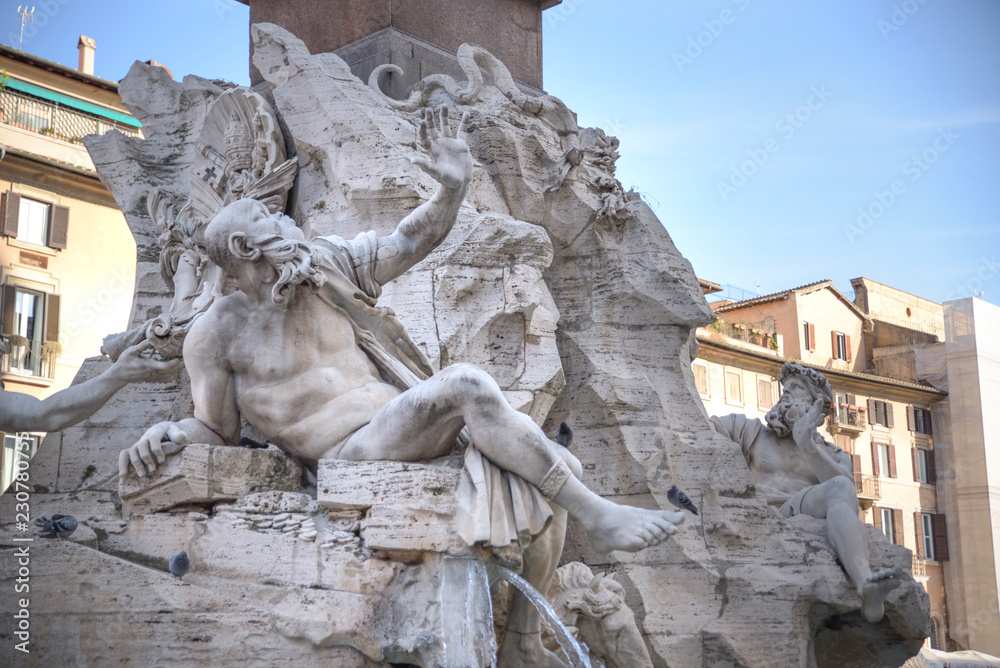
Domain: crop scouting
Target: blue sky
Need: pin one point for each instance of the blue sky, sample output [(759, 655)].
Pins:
[(779, 142)]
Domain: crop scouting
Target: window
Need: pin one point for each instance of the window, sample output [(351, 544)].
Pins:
[(890, 522), (30, 327), (928, 531), (841, 344), (886, 516), (808, 336), (35, 221), (932, 535), (884, 460), (734, 387), (918, 420), (701, 378), (924, 468), (765, 393), (880, 413), (14, 445)]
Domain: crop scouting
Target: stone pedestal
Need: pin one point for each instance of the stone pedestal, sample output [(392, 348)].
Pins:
[(210, 473)]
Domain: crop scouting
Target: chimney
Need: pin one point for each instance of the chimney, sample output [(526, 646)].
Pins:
[(87, 46)]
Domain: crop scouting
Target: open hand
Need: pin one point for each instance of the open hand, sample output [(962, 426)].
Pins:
[(448, 160), (160, 440), (133, 366), (805, 426)]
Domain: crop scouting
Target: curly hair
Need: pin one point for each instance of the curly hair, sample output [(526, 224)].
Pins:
[(294, 263)]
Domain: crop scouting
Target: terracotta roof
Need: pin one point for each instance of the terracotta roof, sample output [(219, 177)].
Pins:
[(52, 66), (784, 294)]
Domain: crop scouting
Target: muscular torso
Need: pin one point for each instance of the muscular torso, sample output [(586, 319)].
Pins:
[(780, 463), (298, 374)]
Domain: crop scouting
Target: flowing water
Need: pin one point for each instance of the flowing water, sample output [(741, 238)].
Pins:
[(578, 657), (467, 612)]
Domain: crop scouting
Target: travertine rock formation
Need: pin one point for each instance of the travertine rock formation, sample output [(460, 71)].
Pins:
[(565, 288)]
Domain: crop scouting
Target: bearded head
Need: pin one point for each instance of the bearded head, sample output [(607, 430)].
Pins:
[(245, 231), (802, 388)]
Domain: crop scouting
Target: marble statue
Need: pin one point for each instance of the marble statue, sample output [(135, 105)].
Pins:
[(22, 412), (296, 351), (799, 472), (595, 606)]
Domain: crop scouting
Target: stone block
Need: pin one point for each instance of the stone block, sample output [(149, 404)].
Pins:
[(343, 485), (203, 473)]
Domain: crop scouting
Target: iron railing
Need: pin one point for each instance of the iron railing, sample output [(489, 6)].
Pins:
[(846, 415), (53, 119), (919, 566), (28, 358), (867, 486)]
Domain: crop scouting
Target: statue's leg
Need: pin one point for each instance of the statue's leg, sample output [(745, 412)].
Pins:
[(836, 500), (522, 641), (422, 422)]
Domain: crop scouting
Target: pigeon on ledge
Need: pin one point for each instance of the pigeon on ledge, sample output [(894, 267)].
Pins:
[(60, 526)]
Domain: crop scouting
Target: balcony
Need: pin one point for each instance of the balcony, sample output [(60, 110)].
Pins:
[(919, 567), (868, 488), (756, 334), (848, 419), (29, 358), (54, 120)]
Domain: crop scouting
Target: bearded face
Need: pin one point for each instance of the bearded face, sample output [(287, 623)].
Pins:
[(782, 416)]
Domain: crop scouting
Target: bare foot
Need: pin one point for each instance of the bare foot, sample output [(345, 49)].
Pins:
[(525, 649), (875, 589), (614, 527)]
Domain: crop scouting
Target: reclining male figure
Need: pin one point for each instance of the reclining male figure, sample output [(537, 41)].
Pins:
[(287, 352)]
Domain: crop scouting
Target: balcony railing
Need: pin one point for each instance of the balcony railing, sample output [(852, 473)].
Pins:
[(868, 487), (745, 331), (919, 566), (54, 120), (29, 358), (850, 417)]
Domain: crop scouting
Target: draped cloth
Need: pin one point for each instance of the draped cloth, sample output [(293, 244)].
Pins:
[(494, 507)]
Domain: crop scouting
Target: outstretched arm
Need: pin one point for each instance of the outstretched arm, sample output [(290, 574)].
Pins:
[(21, 412), (449, 162)]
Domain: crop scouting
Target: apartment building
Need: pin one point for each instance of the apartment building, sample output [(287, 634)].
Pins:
[(884, 423), (67, 257)]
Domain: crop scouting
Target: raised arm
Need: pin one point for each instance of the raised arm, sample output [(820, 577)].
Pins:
[(21, 412), (826, 461), (449, 162), (216, 417)]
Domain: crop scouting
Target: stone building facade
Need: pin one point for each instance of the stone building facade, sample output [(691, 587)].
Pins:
[(67, 258)]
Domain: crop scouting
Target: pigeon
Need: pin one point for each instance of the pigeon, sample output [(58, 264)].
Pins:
[(179, 564), (60, 526), (564, 436), (680, 499)]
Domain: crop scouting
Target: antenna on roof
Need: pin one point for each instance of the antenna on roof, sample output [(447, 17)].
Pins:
[(25, 15)]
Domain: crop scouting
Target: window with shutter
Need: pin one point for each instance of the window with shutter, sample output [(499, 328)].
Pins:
[(29, 319), (918, 523), (877, 518), (931, 467), (897, 526), (11, 213), (891, 451), (940, 537)]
